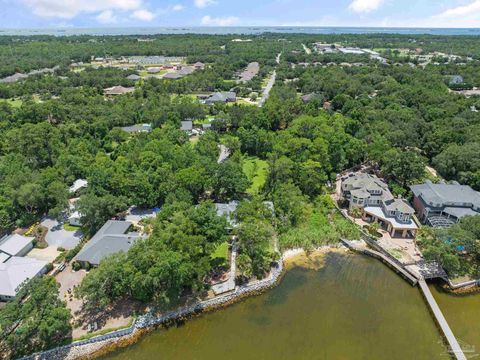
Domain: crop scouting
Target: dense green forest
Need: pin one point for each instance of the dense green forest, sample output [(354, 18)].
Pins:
[(56, 128)]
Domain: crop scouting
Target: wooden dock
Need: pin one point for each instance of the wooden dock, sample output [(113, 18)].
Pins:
[(455, 348)]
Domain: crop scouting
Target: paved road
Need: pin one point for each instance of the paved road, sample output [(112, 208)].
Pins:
[(224, 153), (307, 50), (278, 58), (266, 91)]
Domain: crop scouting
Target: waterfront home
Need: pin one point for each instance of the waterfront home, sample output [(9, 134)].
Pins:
[(16, 245), (112, 238), (441, 205), (372, 195), (16, 271)]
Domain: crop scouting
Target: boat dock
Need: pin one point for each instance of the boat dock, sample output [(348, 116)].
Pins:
[(455, 348), (414, 278)]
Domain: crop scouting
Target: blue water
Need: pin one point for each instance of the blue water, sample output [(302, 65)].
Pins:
[(238, 30)]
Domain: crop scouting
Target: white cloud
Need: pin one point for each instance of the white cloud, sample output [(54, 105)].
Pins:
[(178, 7), (204, 3), (219, 21), (466, 16), (143, 15), (106, 17), (68, 9), (365, 6)]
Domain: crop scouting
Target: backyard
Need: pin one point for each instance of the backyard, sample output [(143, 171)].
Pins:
[(256, 171)]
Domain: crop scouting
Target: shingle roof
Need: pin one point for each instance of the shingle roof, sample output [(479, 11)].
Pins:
[(110, 239), (439, 195), (226, 209), (15, 271), (14, 243)]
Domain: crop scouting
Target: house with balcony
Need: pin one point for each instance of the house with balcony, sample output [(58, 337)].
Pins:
[(442, 205), (372, 195)]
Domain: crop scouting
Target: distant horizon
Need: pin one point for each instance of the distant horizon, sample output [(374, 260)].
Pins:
[(235, 30)]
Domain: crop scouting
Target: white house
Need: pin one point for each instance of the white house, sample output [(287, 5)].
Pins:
[(16, 271), (16, 245), (74, 219), (77, 185)]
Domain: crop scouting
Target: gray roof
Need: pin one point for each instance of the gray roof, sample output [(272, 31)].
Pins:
[(400, 205), (226, 209), (186, 125), (134, 77), (222, 97), (174, 75), (137, 128), (110, 239), (449, 195), (14, 78), (17, 270), (250, 72)]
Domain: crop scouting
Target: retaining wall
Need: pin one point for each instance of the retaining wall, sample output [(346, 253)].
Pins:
[(150, 320)]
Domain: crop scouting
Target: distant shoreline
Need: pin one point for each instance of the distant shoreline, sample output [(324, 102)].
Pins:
[(238, 30)]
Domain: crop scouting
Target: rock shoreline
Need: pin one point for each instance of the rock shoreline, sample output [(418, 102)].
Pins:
[(103, 344), (100, 345)]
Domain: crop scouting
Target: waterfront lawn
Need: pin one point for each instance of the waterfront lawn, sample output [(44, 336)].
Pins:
[(220, 255), (322, 226), (256, 171)]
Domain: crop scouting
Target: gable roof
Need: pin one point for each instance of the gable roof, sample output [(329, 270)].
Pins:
[(16, 270), (13, 244), (110, 239)]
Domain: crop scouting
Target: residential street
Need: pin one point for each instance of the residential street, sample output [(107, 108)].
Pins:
[(266, 91)]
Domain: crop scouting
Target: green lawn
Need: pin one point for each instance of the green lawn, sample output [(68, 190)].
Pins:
[(256, 171), (69, 227), (221, 252), (16, 103)]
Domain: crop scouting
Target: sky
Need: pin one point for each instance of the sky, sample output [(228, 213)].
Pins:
[(174, 13)]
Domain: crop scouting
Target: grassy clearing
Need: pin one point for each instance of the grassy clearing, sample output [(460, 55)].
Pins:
[(194, 140), (69, 227), (321, 226), (221, 252), (256, 171), (16, 103)]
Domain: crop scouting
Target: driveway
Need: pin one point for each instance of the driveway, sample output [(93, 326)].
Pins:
[(58, 236)]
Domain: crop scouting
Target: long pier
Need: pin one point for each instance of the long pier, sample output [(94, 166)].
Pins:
[(455, 348)]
